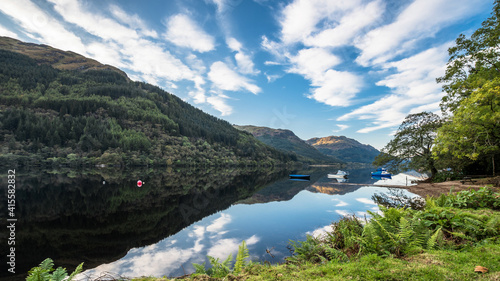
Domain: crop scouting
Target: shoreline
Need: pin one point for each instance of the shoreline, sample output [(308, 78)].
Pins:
[(425, 189)]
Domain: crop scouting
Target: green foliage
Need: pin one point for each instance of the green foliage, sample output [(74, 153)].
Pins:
[(474, 129), (220, 269), (241, 257), (339, 245), (311, 250), (473, 61), (412, 143), (443, 176), (43, 272), (393, 233), (472, 100), (469, 199), (444, 222)]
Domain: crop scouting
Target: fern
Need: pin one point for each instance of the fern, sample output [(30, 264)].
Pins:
[(59, 274), (241, 257), (434, 239), (335, 255), (78, 270), (42, 272), (218, 269), (199, 268), (47, 264)]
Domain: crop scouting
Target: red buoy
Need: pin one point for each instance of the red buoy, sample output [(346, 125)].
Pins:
[(139, 183)]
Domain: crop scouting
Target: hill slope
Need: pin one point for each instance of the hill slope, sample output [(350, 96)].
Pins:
[(286, 140), (96, 115), (345, 149), (62, 60)]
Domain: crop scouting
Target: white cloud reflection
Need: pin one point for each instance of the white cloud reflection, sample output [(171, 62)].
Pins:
[(165, 257)]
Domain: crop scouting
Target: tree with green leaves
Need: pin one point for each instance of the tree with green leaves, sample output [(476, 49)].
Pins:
[(474, 130), (473, 62), (412, 144), (471, 83)]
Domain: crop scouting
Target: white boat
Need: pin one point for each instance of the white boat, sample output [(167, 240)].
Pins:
[(339, 175)]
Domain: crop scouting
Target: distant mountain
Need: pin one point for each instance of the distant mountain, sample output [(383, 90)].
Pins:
[(286, 140), (345, 149), (60, 108)]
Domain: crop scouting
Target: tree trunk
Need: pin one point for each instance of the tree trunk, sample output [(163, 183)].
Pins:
[(493, 162)]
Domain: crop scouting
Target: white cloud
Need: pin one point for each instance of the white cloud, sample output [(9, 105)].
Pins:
[(341, 127), (366, 201), (133, 21), (343, 213), (219, 223), (413, 87), (5, 32), (322, 26), (93, 23), (224, 247), (106, 53), (227, 79), (336, 88), (219, 103), (421, 19), (151, 59), (326, 23), (234, 44), (184, 32), (349, 24), (321, 232), (313, 62), (245, 63), (40, 26)]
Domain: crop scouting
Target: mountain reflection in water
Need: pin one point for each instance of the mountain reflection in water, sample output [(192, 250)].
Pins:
[(97, 216), (176, 218)]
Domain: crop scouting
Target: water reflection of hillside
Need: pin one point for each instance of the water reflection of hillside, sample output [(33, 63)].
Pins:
[(285, 189), (333, 188), (96, 216)]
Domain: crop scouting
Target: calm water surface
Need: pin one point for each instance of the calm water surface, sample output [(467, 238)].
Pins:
[(176, 218)]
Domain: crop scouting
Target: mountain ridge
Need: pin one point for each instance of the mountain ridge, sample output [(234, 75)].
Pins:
[(286, 140), (344, 148)]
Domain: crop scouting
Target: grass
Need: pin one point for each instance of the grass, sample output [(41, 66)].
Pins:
[(429, 265)]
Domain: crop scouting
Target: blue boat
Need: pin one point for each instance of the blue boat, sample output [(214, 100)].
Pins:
[(381, 172), (300, 177)]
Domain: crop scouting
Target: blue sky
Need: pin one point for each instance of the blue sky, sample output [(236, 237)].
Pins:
[(316, 67)]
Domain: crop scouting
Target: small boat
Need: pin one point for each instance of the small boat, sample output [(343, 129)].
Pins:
[(300, 177), (381, 172), (339, 175), (381, 178)]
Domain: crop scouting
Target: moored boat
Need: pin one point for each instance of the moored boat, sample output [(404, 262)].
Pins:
[(381, 172), (339, 175), (300, 177)]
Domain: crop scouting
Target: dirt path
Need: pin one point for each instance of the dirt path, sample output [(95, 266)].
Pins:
[(436, 189)]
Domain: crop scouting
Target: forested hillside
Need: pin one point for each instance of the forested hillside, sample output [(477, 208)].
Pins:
[(98, 116), (345, 149), (287, 141)]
